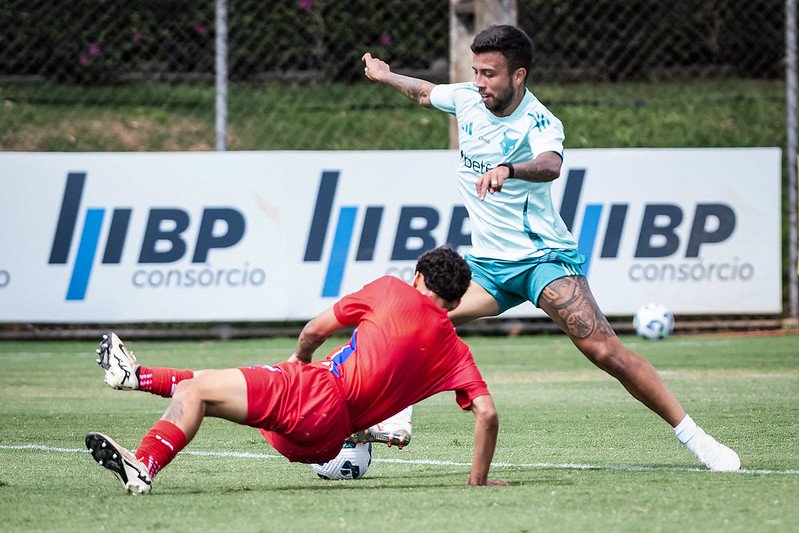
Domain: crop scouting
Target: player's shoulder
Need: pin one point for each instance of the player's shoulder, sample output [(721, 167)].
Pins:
[(386, 280), (469, 86), (390, 283), (537, 116), (532, 104), (466, 89)]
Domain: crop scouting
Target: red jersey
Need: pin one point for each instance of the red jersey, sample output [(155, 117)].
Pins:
[(403, 350)]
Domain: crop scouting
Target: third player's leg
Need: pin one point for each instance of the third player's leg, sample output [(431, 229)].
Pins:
[(569, 303), (217, 393)]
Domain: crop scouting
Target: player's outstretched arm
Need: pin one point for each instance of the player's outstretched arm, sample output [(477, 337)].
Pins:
[(315, 332), (486, 427), (414, 88)]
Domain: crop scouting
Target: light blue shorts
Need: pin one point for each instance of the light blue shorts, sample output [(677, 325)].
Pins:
[(514, 282)]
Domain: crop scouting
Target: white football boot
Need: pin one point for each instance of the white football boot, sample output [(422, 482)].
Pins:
[(108, 454), (716, 456), (120, 365), (394, 431)]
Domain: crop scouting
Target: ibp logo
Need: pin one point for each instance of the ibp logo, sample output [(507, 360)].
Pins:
[(163, 240), (658, 235), (659, 231), (415, 224)]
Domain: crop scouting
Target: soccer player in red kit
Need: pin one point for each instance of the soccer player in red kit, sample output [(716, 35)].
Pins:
[(404, 341)]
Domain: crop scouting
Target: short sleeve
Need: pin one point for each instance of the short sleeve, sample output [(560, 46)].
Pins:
[(442, 97), (468, 383), (351, 308), (546, 134)]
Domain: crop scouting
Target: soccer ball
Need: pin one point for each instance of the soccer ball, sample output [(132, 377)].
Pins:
[(352, 462), (653, 321)]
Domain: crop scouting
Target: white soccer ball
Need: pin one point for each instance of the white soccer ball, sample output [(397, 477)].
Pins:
[(653, 321), (352, 462)]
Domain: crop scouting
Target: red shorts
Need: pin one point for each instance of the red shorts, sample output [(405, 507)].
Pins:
[(300, 409)]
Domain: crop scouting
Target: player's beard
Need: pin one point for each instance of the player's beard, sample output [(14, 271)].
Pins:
[(500, 102)]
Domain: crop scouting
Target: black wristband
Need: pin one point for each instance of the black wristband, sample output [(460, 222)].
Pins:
[(509, 166)]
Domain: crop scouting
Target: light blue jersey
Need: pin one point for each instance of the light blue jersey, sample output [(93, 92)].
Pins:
[(520, 221)]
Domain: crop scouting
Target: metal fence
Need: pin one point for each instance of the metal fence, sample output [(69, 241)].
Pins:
[(114, 74), (119, 75)]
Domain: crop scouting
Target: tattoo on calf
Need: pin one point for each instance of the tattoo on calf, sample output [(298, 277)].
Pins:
[(577, 311), (175, 411)]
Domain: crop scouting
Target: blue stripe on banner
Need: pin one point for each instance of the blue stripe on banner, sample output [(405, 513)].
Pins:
[(343, 354), (338, 255), (588, 234), (85, 258)]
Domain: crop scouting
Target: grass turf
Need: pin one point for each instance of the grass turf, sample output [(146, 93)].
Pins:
[(556, 410)]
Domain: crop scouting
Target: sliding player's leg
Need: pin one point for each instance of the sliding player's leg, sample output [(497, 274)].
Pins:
[(124, 372), (217, 393)]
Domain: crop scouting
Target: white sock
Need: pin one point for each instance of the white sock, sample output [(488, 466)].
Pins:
[(686, 431)]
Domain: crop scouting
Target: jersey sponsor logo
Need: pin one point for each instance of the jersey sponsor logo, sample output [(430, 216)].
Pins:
[(481, 167), (164, 242), (5, 279)]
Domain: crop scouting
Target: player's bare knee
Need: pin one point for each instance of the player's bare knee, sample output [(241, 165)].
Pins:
[(185, 389), (197, 389), (609, 358)]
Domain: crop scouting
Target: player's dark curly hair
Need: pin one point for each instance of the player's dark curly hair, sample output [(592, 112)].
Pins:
[(445, 272), (510, 41)]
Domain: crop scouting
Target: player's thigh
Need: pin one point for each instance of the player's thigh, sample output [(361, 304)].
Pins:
[(224, 393), (569, 303), (476, 303)]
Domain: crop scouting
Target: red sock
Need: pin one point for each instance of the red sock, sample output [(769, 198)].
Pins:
[(160, 445), (161, 381)]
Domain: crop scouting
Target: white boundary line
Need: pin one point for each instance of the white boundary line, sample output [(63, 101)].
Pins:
[(431, 462)]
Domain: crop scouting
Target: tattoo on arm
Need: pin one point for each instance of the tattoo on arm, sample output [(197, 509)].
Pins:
[(308, 342), (305, 349), (414, 88), (569, 302)]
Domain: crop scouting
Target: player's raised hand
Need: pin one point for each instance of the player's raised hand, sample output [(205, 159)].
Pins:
[(374, 68)]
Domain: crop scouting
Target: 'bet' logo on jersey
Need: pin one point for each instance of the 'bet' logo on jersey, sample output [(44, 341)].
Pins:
[(163, 240)]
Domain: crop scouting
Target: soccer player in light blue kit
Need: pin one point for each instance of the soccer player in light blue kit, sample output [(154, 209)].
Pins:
[(511, 149)]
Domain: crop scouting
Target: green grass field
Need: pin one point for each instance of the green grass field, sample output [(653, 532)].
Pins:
[(578, 452)]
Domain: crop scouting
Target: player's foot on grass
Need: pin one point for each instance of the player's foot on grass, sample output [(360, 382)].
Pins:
[(716, 456), (120, 364), (391, 433), (129, 470)]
